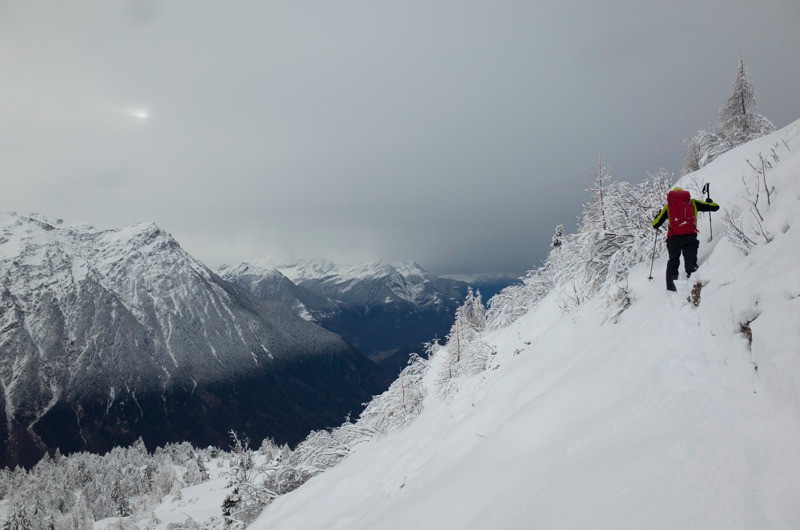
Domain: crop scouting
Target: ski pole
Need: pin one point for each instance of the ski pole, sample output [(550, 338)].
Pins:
[(653, 257), (707, 191)]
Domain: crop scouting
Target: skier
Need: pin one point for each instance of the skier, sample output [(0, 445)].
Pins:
[(681, 211)]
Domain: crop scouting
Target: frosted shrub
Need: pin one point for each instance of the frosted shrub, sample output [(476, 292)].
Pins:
[(614, 235), (402, 401), (745, 219)]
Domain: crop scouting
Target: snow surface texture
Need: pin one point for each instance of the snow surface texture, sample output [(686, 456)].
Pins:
[(675, 416)]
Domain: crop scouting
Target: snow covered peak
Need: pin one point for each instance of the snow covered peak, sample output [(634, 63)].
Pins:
[(366, 284), (95, 319), (142, 268), (408, 268), (124, 255), (380, 269), (325, 269), (295, 269)]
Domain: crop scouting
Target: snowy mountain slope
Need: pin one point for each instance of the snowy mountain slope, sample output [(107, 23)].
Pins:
[(672, 417), (109, 335), (270, 284), (386, 310)]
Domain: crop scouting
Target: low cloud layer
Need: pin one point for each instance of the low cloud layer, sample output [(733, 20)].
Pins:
[(454, 134)]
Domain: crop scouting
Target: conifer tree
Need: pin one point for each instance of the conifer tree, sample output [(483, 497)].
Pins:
[(558, 236), (121, 501), (229, 507), (196, 472), (465, 352), (19, 518), (82, 516), (739, 120), (470, 319), (743, 99)]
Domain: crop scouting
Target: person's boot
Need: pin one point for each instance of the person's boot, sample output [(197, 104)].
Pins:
[(671, 283)]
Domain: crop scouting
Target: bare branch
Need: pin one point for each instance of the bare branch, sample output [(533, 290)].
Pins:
[(764, 175)]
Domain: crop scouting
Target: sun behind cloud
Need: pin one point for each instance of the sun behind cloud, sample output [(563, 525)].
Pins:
[(139, 113)]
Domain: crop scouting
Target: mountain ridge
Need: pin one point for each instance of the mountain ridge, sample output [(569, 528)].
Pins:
[(340, 278), (103, 320), (386, 310)]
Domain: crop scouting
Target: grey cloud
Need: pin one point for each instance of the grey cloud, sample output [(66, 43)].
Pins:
[(454, 134)]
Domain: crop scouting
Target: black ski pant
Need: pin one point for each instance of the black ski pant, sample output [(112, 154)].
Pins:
[(677, 245)]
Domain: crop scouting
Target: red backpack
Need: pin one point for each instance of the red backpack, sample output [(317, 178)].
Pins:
[(682, 219)]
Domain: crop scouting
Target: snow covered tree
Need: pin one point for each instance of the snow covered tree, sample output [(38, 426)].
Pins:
[(82, 518), (18, 518), (242, 462), (738, 122), (738, 118), (743, 98), (401, 402), (558, 237), (691, 161), (123, 507), (464, 351), (103, 506), (165, 481), (196, 472), (230, 508), (470, 319), (246, 500), (474, 311), (595, 212), (593, 259)]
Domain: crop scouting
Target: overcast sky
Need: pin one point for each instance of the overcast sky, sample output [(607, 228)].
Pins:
[(453, 133)]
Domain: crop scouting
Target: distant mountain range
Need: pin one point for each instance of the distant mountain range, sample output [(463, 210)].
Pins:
[(108, 335), (387, 310)]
